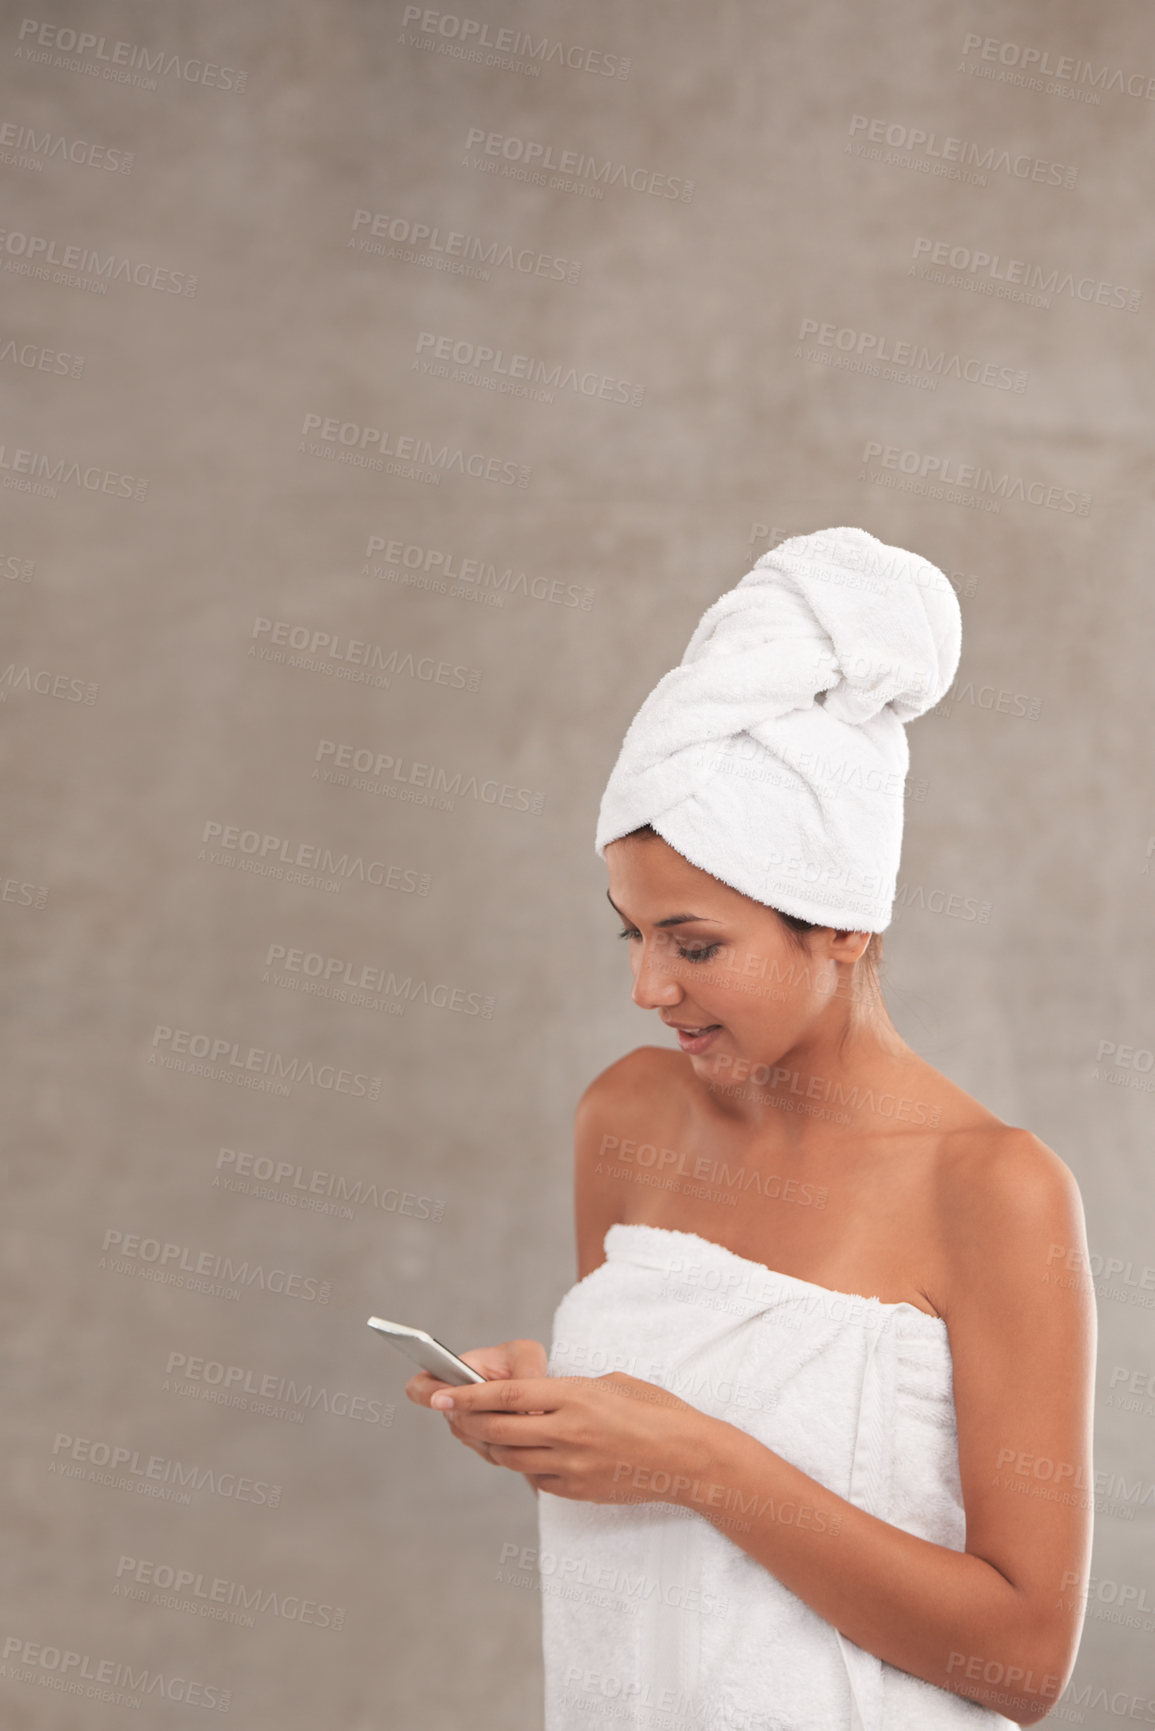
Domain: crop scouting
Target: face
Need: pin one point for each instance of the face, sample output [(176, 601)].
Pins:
[(710, 960)]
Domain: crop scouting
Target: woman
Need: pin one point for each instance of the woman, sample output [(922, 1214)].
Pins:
[(814, 1431)]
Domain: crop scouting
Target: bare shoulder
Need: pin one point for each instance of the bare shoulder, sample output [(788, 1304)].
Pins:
[(636, 1079), (636, 1097), (1009, 1207), (997, 1162), (991, 1181)]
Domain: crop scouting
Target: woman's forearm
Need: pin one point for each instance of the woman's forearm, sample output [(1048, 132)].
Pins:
[(943, 1615)]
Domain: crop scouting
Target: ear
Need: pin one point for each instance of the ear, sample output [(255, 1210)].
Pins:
[(849, 946)]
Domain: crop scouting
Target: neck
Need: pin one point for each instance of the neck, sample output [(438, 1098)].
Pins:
[(851, 1073)]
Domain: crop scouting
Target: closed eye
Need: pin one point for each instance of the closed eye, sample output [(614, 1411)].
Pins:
[(702, 954)]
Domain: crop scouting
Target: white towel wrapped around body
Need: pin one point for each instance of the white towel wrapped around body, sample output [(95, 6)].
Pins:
[(651, 1615), (774, 756)]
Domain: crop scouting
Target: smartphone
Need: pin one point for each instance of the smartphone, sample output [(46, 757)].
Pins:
[(430, 1354)]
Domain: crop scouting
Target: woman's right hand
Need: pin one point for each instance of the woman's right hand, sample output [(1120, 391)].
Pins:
[(512, 1358)]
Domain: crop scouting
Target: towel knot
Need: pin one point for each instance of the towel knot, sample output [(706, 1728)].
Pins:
[(839, 618)]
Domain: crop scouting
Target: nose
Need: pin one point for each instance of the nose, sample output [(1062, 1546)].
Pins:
[(655, 982)]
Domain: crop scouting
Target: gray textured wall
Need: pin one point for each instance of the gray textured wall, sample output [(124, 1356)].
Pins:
[(172, 480)]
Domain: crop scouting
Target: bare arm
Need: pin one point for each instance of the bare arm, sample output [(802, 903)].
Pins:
[(999, 1622)]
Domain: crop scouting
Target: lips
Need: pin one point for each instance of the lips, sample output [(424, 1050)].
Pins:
[(696, 1041)]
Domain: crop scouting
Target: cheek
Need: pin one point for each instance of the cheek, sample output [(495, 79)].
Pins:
[(758, 991), (739, 976)]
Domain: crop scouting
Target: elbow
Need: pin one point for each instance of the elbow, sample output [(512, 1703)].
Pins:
[(1028, 1697), (1025, 1692), (1035, 1711), (1027, 1679), (1045, 1674)]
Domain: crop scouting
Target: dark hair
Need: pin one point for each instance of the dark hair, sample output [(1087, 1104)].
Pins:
[(870, 959)]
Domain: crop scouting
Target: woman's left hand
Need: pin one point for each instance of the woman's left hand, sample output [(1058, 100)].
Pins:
[(600, 1439)]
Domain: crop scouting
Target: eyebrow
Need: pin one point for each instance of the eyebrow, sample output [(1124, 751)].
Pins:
[(674, 919)]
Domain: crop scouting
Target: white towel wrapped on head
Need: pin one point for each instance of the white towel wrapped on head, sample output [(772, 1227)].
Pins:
[(774, 756)]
